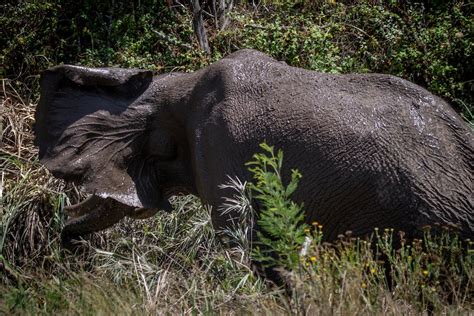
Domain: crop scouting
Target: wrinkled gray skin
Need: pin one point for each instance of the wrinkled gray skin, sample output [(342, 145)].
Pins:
[(374, 150)]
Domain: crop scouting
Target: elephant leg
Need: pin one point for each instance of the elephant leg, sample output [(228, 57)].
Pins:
[(107, 213)]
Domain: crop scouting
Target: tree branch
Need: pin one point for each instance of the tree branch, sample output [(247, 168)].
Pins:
[(198, 25)]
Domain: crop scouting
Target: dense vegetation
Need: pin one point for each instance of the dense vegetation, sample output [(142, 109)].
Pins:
[(174, 262), (428, 43)]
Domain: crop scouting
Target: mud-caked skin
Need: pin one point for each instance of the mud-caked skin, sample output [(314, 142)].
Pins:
[(374, 150)]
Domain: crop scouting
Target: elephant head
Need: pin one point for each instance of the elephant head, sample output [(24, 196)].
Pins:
[(102, 129)]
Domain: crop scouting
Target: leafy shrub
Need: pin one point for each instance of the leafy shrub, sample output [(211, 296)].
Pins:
[(428, 42), (145, 34), (281, 221)]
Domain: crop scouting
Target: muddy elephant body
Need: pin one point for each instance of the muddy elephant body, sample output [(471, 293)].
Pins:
[(374, 150)]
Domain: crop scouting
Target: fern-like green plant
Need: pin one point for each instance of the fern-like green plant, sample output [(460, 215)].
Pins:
[(281, 221)]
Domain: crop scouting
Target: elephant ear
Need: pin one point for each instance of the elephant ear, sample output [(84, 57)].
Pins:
[(90, 128)]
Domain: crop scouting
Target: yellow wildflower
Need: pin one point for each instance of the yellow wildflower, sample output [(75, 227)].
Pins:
[(364, 286), (313, 259), (373, 270), (425, 272)]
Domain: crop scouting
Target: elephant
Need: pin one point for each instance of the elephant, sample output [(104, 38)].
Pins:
[(374, 150)]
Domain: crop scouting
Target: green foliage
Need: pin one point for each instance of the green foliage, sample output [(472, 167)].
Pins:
[(145, 34), (431, 45), (280, 220), (295, 39), (427, 42)]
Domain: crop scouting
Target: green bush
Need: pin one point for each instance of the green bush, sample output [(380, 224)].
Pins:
[(429, 43), (280, 221), (431, 46), (38, 34)]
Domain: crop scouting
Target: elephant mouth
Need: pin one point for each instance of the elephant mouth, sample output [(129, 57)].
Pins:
[(93, 201)]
